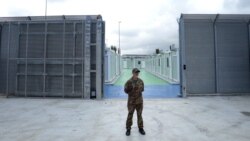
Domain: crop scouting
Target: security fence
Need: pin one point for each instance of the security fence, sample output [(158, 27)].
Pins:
[(215, 53), (52, 56)]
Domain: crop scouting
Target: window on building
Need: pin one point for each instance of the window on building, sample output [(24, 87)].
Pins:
[(167, 62)]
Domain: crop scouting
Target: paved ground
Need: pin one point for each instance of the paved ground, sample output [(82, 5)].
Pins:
[(176, 119), (154, 86)]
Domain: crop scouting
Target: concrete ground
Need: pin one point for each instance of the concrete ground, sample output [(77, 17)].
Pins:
[(176, 119)]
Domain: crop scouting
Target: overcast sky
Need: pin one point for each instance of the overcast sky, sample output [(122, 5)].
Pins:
[(145, 24)]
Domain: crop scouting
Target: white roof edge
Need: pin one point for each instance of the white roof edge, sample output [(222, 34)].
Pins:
[(135, 55)]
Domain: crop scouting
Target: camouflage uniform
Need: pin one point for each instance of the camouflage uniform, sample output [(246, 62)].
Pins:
[(134, 89)]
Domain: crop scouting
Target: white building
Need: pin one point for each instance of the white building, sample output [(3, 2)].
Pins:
[(113, 65), (165, 65), (134, 61)]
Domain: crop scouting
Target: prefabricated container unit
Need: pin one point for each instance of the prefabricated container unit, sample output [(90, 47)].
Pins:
[(113, 63), (58, 56), (131, 61), (165, 65), (214, 54)]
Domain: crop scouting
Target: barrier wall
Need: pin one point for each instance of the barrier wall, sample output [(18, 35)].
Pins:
[(53, 56)]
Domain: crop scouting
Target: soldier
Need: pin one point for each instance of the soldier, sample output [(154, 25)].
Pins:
[(134, 88)]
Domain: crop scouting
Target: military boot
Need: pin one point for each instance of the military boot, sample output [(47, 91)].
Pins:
[(141, 130), (128, 132)]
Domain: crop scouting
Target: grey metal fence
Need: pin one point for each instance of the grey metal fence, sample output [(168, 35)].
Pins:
[(57, 56)]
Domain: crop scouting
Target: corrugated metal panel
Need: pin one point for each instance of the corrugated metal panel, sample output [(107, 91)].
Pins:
[(215, 50), (199, 53), (87, 77), (232, 57), (8, 50), (3, 60), (182, 58)]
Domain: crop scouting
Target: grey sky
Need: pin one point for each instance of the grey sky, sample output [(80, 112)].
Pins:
[(146, 24)]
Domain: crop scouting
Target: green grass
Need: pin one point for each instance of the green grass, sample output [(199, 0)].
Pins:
[(148, 78)]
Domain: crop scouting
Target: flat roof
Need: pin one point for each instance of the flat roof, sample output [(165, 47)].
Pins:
[(136, 55)]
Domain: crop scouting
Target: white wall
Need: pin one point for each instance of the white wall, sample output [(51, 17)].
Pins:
[(113, 65), (165, 66), (129, 63)]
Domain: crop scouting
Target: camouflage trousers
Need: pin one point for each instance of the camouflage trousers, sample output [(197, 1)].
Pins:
[(131, 109)]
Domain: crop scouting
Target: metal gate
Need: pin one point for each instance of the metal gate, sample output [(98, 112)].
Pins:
[(232, 57), (198, 53), (58, 56), (215, 54)]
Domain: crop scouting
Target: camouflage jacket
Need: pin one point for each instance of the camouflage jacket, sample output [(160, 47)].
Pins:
[(134, 89)]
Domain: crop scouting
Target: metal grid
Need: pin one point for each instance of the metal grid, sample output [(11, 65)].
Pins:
[(58, 57)]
